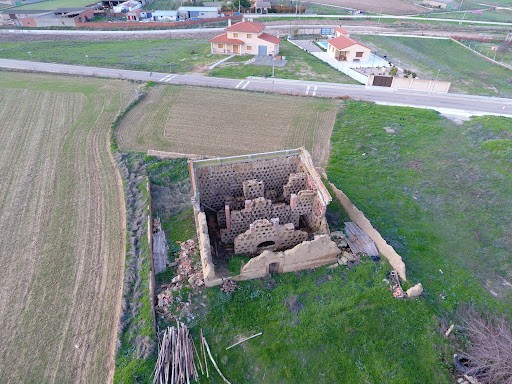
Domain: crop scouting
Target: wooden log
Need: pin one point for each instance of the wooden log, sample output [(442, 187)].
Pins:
[(213, 362), (241, 341), (447, 333)]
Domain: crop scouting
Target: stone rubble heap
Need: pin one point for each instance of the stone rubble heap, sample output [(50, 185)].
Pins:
[(171, 304)]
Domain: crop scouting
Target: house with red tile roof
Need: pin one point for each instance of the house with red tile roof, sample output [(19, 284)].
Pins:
[(343, 48), (245, 38)]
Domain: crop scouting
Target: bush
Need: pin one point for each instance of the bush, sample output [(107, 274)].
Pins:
[(490, 347)]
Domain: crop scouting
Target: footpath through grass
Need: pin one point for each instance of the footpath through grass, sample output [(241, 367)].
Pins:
[(468, 72)]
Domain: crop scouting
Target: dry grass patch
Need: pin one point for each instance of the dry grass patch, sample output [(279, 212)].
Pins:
[(62, 228), (219, 122)]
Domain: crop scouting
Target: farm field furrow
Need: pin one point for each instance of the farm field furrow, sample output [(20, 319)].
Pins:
[(62, 228), (222, 122)]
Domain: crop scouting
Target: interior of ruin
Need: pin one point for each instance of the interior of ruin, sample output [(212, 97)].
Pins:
[(256, 203)]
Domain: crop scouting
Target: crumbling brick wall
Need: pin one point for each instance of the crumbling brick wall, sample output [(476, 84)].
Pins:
[(218, 182), (265, 231)]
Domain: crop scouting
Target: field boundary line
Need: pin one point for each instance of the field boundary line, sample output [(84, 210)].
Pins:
[(482, 55), (177, 155)]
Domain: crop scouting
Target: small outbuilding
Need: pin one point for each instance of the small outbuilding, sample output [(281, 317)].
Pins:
[(185, 13), (343, 48)]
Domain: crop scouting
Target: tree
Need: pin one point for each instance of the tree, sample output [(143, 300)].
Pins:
[(242, 4)]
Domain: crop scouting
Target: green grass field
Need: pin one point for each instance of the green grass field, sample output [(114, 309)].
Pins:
[(300, 66), (439, 193), (487, 15), (487, 50), (164, 55), (54, 4), (163, 4), (468, 72)]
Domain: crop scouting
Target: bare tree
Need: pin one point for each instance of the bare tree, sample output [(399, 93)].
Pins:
[(490, 350)]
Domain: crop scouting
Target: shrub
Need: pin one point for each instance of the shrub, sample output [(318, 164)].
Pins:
[(490, 347)]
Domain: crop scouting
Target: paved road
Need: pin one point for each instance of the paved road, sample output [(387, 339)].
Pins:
[(447, 103)]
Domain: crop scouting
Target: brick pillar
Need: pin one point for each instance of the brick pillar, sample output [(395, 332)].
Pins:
[(228, 217), (293, 200)]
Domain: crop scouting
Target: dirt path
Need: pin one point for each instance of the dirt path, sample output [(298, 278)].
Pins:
[(62, 229)]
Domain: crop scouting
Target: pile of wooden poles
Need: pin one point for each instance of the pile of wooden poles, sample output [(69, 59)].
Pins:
[(176, 363)]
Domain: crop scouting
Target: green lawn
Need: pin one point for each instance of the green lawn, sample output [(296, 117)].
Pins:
[(54, 4), (300, 66), (163, 55), (468, 72)]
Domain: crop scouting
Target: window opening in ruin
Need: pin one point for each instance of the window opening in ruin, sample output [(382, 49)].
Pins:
[(302, 222), (273, 268), (266, 245)]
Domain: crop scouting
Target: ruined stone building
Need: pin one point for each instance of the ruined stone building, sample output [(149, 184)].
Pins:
[(270, 206)]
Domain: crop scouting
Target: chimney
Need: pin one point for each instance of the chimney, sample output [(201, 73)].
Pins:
[(229, 23)]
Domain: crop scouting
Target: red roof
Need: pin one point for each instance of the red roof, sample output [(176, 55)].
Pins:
[(246, 26), (223, 39), (342, 31), (270, 38), (343, 42)]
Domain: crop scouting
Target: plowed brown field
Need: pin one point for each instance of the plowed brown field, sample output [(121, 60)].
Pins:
[(61, 228), (219, 122)]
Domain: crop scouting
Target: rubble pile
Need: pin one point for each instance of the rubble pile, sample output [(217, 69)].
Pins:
[(229, 286), (347, 257), (173, 302)]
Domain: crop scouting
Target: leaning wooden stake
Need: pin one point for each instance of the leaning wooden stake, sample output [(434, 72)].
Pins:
[(204, 354), (214, 363), (198, 358), (241, 341)]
